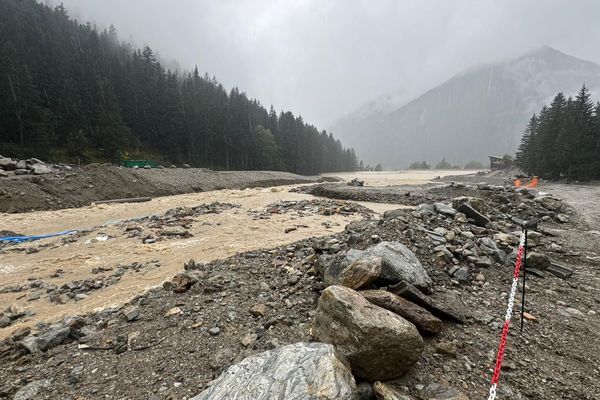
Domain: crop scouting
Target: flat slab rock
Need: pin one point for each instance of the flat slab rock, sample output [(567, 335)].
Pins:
[(399, 263), (379, 344), (353, 274), (423, 319), (300, 371), (387, 392)]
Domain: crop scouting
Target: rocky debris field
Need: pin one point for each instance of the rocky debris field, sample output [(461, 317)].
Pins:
[(409, 195), (410, 306), (170, 225), (312, 207), (40, 186)]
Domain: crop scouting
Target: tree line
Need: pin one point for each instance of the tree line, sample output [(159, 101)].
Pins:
[(563, 140), (446, 165), (71, 93)]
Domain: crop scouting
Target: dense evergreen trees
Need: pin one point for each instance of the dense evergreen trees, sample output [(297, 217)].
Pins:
[(563, 140), (69, 92), (419, 165)]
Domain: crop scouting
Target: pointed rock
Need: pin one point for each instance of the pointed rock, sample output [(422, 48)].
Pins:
[(379, 344)]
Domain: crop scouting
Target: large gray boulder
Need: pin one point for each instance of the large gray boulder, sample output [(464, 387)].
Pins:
[(379, 344), (548, 202), (444, 209), (300, 371), (33, 390), (353, 274), (471, 212), (40, 169), (8, 164), (399, 263), (488, 246)]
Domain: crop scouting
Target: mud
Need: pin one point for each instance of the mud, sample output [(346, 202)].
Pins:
[(81, 186), (104, 243)]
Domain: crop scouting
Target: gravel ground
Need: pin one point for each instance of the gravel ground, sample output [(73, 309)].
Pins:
[(169, 343)]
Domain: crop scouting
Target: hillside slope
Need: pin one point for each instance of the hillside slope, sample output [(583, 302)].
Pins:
[(72, 93)]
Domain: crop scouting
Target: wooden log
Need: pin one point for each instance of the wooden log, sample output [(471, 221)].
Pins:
[(129, 200)]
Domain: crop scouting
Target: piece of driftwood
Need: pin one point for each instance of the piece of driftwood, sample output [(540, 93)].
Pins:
[(129, 200)]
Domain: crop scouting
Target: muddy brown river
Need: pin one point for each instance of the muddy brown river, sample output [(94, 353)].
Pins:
[(215, 236)]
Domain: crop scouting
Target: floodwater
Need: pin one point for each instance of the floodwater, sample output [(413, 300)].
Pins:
[(215, 236), (392, 178)]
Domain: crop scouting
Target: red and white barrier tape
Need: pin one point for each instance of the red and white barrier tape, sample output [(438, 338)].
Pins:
[(507, 318)]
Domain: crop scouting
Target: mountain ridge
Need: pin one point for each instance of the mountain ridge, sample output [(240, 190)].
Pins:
[(477, 112)]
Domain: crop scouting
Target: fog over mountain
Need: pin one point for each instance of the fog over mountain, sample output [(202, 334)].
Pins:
[(323, 59), (479, 112)]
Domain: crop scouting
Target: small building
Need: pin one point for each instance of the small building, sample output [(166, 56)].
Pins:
[(497, 163)]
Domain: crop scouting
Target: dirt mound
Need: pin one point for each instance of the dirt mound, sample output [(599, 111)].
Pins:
[(82, 186)]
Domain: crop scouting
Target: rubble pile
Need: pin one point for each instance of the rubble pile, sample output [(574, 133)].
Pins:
[(305, 208), (173, 224), (31, 166)]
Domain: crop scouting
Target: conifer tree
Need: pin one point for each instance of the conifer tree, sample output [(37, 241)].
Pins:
[(71, 93)]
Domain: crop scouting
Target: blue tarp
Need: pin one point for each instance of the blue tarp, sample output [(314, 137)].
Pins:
[(20, 239)]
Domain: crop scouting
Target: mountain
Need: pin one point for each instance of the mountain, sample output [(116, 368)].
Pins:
[(477, 113)]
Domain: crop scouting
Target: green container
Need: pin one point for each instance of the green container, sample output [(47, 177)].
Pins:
[(139, 163)]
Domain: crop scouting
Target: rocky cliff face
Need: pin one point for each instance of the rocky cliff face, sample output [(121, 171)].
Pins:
[(479, 112)]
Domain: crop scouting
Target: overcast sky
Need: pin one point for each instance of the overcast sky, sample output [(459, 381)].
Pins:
[(324, 58)]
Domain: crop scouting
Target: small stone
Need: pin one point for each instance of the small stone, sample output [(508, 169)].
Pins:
[(467, 234), (132, 313), (214, 331), (538, 260), (249, 339), (75, 374), (4, 321), (447, 348), (173, 311), (462, 274), (21, 333), (529, 317), (183, 282), (435, 391), (53, 337), (384, 391), (259, 310)]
